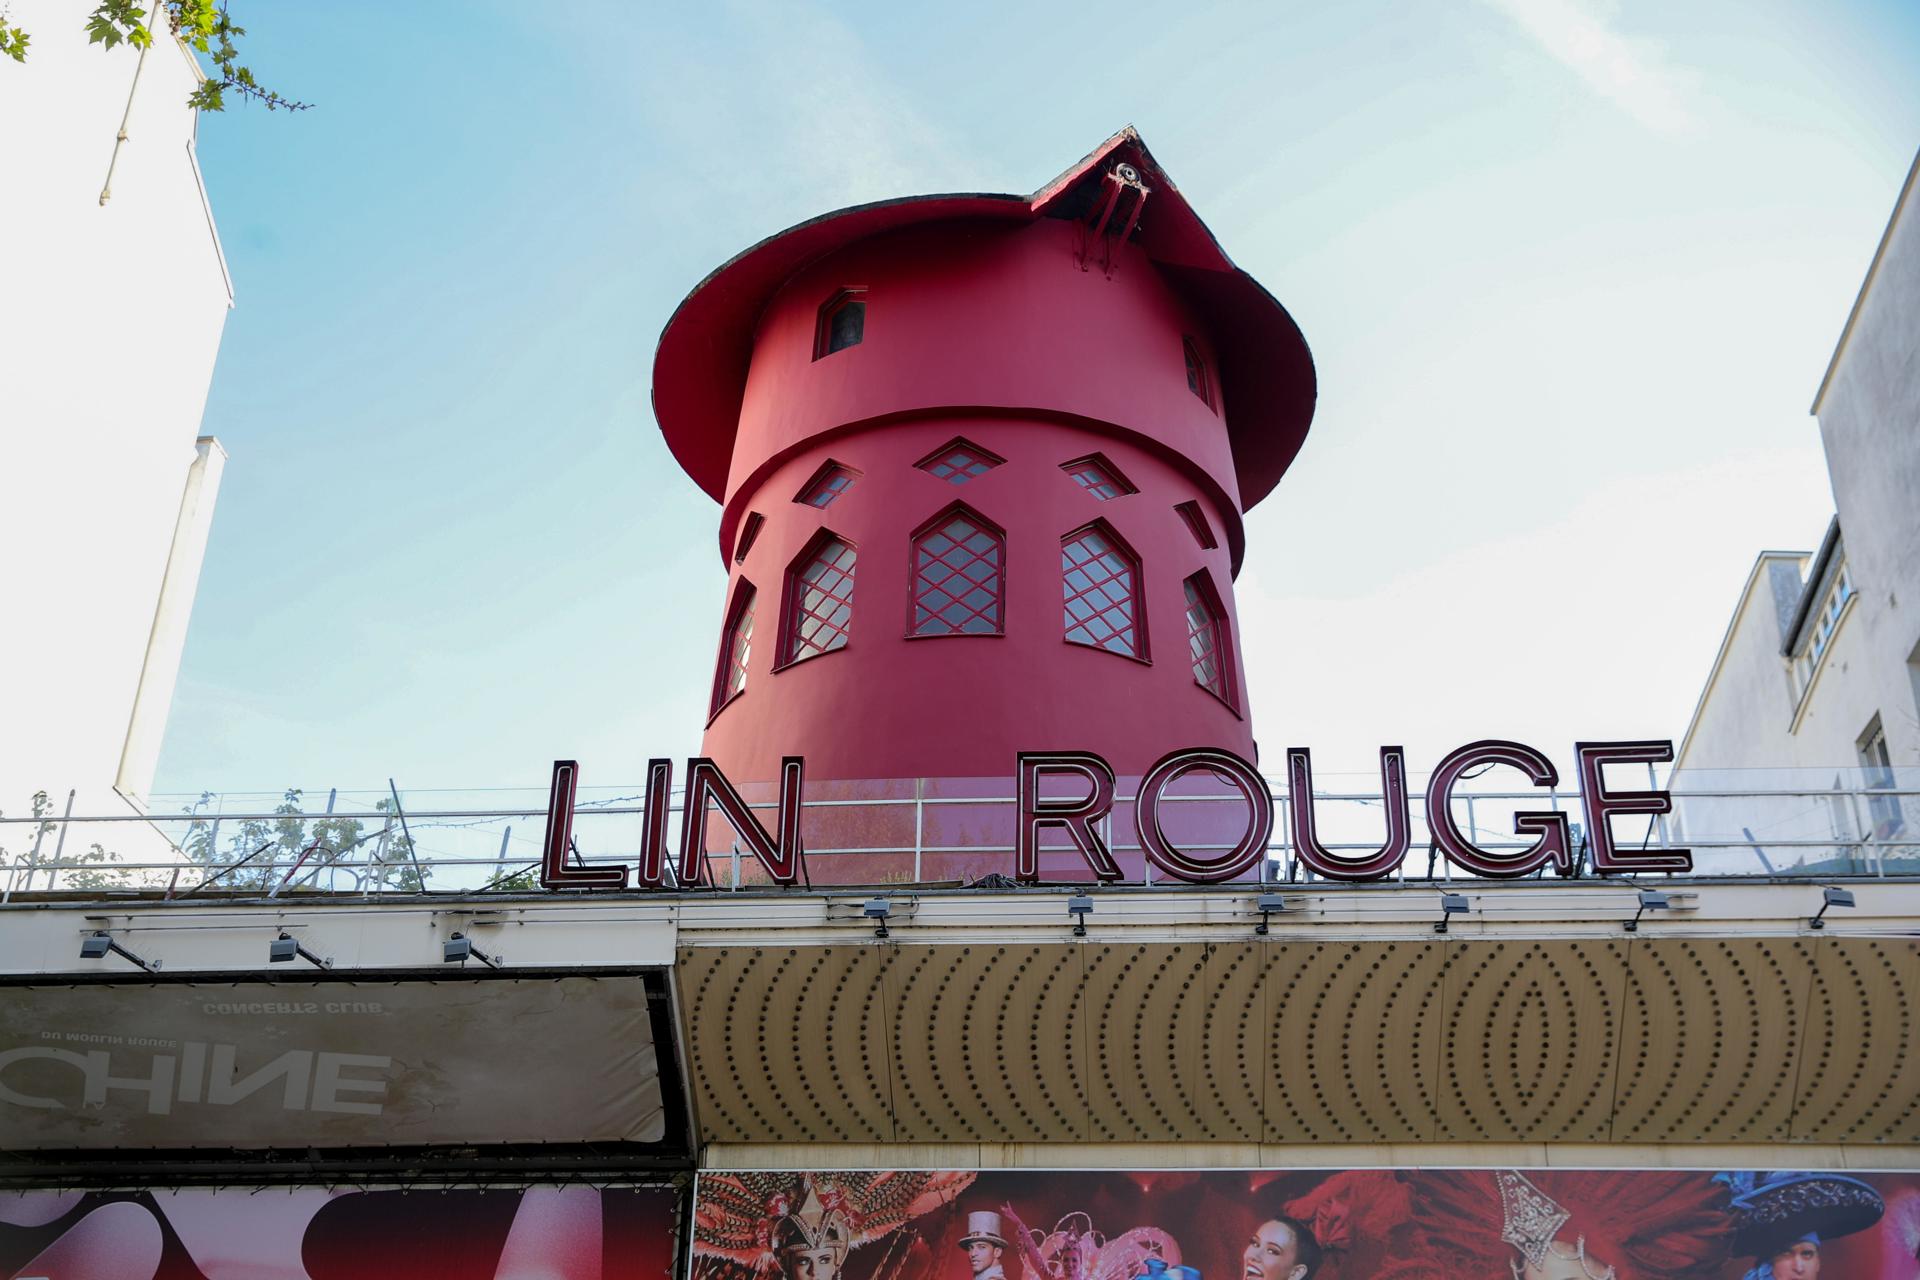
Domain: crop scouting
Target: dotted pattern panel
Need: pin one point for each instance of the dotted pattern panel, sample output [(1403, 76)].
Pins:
[(788, 1044), (1648, 1040), (1712, 1039), (1351, 1033), (1858, 1079), (1143, 1072), (1531, 1036), (1227, 1019), (989, 1043)]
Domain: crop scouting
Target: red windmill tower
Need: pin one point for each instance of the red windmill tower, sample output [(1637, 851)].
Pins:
[(983, 461)]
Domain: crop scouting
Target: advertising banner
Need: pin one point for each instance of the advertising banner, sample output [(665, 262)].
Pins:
[(329, 1063), (311, 1233), (1425, 1224)]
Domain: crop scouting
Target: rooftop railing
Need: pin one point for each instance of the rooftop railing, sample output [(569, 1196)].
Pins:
[(1761, 824)]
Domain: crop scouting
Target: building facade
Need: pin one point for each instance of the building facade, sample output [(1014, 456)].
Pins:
[(914, 1068), (1818, 676), (111, 322)]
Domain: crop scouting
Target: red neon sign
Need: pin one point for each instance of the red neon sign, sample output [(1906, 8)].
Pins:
[(781, 855)]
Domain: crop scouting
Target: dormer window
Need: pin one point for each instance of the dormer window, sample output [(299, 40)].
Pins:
[(843, 322), (1197, 380)]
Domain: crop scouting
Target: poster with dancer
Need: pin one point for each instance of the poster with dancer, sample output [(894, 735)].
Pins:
[(1427, 1224)]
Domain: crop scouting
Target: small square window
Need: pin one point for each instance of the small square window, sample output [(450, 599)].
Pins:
[(959, 462), (842, 323), (828, 483), (1098, 477)]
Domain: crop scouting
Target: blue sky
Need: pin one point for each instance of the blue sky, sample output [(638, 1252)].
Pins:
[(1570, 269)]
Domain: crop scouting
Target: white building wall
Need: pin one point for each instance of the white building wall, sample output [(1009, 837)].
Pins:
[(1749, 716), (1869, 411), (110, 321)]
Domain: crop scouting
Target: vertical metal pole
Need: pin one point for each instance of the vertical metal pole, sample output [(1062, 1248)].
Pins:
[(500, 859), (919, 825), (1283, 801), (59, 845), (1660, 820), (407, 835), (380, 854)]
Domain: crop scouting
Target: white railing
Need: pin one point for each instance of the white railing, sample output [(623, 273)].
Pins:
[(921, 831)]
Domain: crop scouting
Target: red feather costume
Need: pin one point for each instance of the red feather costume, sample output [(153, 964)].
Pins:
[(1645, 1225)]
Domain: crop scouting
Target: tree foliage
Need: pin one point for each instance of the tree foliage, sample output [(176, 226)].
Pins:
[(259, 854), (203, 24)]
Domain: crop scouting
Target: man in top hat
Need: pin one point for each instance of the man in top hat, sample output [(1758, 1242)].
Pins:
[(985, 1243)]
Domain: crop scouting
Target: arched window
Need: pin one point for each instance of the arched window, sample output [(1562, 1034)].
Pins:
[(1209, 643), (819, 604), (959, 583), (1101, 579), (736, 642), (843, 322)]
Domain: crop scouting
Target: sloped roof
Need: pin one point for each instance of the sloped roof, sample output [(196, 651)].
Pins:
[(1266, 370)]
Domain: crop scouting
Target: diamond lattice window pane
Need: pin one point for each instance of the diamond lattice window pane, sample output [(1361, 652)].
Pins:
[(960, 462), (734, 653), (821, 595), (827, 486), (1097, 476), (1204, 634), (1100, 582), (957, 583)]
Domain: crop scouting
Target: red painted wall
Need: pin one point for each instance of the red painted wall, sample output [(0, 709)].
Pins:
[(995, 334)]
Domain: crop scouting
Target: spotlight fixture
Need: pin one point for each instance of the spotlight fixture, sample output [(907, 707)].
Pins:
[(1650, 900), (1831, 896), (1451, 904), (1266, 904), (287, 947), (459, 947), (1080, 906), (99, 944), (877, 910)]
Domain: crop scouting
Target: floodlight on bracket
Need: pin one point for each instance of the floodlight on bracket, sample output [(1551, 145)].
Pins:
[(286, 948), (1830, 896), (1269, 904), (1650, 900), (1080, 906), (99, 944), (459, 948), (1451, 905)]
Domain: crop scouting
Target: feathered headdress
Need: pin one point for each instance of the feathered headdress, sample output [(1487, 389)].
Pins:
[(749, 1219), (1637, 1224), (1073, 1250)]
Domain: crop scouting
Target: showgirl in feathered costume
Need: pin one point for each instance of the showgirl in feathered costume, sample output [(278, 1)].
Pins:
[(801, 1226), (1361, 1222), (1566, 1225), (1073, 1250)]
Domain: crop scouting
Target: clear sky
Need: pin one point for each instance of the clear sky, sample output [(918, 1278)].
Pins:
[(1571, 271)]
